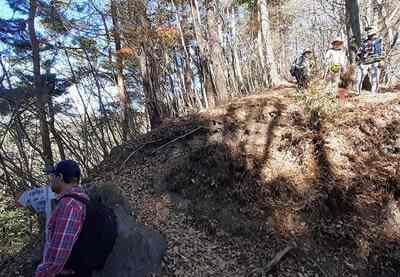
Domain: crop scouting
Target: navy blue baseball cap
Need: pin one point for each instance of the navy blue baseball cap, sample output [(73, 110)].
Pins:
[(68, 168)]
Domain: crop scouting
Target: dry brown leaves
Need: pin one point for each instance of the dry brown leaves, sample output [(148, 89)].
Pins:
[(326, 188)]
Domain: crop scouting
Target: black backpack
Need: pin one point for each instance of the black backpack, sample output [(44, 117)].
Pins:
[(293, 68), (96, 239)]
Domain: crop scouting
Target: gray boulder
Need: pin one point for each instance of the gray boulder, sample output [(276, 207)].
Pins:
[(137, 251)]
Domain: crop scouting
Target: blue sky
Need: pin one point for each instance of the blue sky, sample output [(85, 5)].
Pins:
[(5, 11), (109, 92)]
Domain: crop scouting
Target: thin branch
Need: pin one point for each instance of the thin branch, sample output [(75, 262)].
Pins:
[(178, 138)]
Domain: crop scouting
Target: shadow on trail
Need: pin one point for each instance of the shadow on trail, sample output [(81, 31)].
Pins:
[(219, 174), (342, 213), (225, 184)]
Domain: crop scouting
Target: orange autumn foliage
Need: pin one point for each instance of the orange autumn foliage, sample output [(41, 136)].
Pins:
[(126, 52), (168, 35)]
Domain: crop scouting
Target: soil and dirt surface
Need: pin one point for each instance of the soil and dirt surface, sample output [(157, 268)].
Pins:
[(231, 187)]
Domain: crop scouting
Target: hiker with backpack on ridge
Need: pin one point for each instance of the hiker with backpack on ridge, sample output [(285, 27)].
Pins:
[(301, 69), (80, 232), (370, 60), (336, 63)]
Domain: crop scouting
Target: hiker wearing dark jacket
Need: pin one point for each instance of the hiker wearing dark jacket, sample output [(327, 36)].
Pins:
[(370, 60), (301, 69), (65, 222)]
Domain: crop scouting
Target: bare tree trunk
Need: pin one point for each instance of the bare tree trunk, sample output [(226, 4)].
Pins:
[(208, 90), (107, 34), (216, 52), (101, 140), (188, 73), (150, 90), (54, 131), (236, 62), (6, 173), (5, 72), (248, 78), (370, 12), (19, 135), (260, 52), (353, 23), (100, 99), (183, 98), (42, 93), (32, 144), (20, 145), (123, 95), (273, 76)]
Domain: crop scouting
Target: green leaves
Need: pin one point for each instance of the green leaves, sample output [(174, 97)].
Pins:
[(15, 230), (250, 4)]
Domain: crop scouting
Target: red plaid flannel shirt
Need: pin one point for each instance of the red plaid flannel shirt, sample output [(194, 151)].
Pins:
[(63, 228)]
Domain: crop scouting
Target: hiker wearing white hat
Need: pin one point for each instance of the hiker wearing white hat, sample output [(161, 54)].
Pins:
[(335, 62), (370, 58)]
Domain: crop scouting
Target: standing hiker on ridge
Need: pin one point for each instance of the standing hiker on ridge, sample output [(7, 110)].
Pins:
[(336, 63), (65, 222), (80, 232), (370, 58), (301, 69)]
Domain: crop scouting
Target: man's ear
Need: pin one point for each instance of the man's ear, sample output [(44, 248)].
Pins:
[(60, 177), (17, 203)]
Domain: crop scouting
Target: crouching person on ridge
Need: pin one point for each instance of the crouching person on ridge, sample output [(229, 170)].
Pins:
[(301, 69), (80, 232)]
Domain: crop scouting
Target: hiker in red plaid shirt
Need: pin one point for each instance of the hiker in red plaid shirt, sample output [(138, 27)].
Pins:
[(65, 222)]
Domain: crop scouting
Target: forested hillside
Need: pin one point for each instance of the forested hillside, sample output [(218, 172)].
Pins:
[(197, 97)]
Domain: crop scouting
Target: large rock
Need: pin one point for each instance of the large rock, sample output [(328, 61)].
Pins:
[(137, 251), (392, 224)]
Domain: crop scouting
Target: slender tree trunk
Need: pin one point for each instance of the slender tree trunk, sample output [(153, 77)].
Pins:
[(273, 76), (5, 72), (149, 87), (123, 95), (216, 52), (188, 73), (370, 12), (176, 105), (353, 23), (208, 90), (183, 98), (87, 118), (260, 53), (6, 173), (100, 99), (19, 135), (247, 77), (59, 142), (32, 144), (107, 34), (20, 145), (41, 91), (236, 61)]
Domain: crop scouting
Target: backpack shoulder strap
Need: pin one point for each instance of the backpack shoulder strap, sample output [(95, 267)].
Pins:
[(76, 197), (299, 62)]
